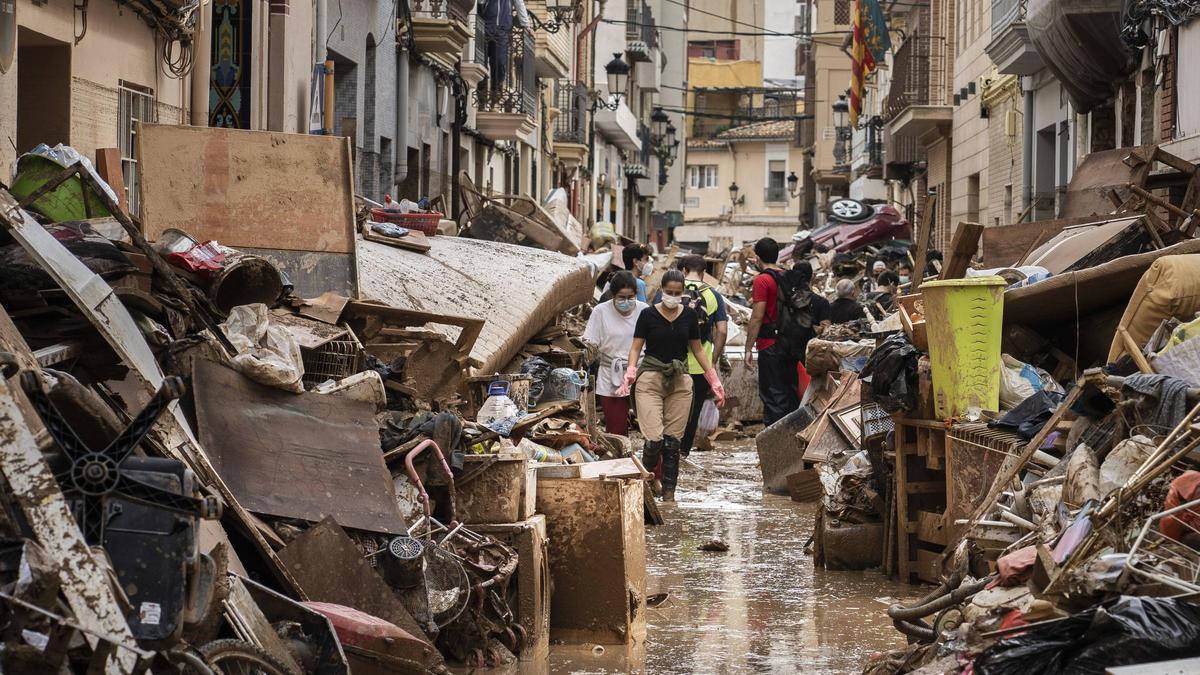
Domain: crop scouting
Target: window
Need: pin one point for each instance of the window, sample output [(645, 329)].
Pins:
[(729, 50), (776, 190), (841, 11), (135, 104), (701, 176)]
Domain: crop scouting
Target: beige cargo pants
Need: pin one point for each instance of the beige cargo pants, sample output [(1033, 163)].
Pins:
[(662, 410)]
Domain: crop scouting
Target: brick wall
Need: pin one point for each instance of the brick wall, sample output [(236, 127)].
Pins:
[(1167, 95)]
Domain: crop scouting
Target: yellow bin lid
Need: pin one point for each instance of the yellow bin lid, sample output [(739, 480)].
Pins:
[(992, 280)]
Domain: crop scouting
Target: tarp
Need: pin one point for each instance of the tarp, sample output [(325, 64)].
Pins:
[(516, 289), (1080, 42)]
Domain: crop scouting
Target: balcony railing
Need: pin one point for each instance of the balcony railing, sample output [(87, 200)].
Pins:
[(873, 147), (457, 10), (571, 99), (918, 75), (481, 44), (1005, 13), (647, 142), (511, 86), (775, 194)]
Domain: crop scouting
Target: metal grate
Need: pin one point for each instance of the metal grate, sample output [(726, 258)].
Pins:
[(134, 104), (333, 360)]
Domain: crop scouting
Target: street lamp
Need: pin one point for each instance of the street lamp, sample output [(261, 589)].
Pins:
[(618, 77), (793, 183), (733, 195), (659, 122), (561, 13), (671, 142), (841, 124)]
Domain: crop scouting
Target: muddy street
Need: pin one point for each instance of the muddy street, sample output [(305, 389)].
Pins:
[(761, 607)]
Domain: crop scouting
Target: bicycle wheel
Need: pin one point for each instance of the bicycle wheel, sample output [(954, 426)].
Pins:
[(237, 657)]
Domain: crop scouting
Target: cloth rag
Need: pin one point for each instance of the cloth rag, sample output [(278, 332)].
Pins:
[(1169, 392)]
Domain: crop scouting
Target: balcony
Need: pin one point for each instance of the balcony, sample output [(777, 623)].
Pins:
[(571, 125), (775, 195), (554, 51), (441, 28), (619, 127), (1010, 48), (916, 103), (641, 35), (473, 68), (506, 101)]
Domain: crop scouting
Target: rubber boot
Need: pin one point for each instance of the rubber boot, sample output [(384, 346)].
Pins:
[(651, 454), (670, 455)]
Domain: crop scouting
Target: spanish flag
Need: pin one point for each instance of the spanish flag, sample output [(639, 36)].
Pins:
[(869, 46)]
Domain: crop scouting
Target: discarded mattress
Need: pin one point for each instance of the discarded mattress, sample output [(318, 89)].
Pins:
[(517, 289)]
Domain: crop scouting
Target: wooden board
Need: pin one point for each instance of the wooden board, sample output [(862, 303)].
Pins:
[(623, 467), (295, 455), (1004, 246), (962, 249), (415, 240), (247, 188)]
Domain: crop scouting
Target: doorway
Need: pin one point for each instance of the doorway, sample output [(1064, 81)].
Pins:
[(43, 90)]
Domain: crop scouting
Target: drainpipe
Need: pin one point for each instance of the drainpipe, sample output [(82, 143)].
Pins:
[(321, 28), (1027, 165), (459, 95), (202, 68), (401, 117), (583, 35)]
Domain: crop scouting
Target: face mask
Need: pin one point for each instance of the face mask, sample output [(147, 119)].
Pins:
[(903, 279), (624, 306), (647, 269), (671, 301)]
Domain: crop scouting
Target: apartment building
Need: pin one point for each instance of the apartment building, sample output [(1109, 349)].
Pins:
[(745, 95)]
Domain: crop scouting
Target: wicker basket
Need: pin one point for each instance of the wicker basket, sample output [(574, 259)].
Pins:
[(426, 223)]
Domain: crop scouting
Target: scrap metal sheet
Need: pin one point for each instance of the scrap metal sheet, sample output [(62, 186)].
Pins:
[(295, 455)]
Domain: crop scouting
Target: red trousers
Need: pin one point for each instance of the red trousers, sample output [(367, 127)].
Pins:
[(616, 414)]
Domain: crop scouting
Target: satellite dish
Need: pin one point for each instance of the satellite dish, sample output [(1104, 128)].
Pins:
[(8, 34)]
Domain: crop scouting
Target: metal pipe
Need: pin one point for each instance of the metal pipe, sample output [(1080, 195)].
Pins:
[(1027, 164), (321, 33), (412, 475), (401, 118), (954, 597), (201, 65)]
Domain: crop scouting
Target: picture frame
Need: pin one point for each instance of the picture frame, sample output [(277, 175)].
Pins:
[(849, 421)]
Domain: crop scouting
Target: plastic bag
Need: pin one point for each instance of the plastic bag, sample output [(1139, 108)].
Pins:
[(266, 354), (891, 372), (603, 233), (540, 369), (709, 418), (562, 384), (1019, 381), (1129, 631)]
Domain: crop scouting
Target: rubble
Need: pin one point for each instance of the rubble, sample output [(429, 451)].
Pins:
[(247, 428), (1019, 432)]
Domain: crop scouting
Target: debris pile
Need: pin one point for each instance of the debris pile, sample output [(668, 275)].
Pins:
[(247, 430), (1021, 432)]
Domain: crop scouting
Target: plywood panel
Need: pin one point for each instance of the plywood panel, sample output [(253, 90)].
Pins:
[(247, 188)]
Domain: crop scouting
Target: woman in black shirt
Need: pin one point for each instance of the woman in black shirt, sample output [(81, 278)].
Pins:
[(667, 330)]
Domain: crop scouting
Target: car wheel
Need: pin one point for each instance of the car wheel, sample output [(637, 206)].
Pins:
[(850, 211)]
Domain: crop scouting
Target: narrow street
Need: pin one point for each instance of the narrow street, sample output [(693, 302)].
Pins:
[(761, 607)]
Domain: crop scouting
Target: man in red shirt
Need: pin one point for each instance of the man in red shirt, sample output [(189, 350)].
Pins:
[(778, 373)]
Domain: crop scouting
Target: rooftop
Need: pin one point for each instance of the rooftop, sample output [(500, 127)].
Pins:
[(771, 129)]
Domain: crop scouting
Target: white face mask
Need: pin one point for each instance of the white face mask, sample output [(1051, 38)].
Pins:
[(647, 268), (671, 301)]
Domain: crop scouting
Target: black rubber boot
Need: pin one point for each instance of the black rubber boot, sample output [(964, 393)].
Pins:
[(670, 455), (651, 453)]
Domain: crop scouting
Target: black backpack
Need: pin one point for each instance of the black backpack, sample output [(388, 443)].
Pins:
[(693, 297), (794, 313)]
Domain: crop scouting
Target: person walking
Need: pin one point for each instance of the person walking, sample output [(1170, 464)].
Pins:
[(667, 331), (709, 307), (610, 330), (786, 314)]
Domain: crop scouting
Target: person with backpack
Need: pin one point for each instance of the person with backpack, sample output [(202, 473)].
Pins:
[(709, 308), (668, 331), (786, 315)]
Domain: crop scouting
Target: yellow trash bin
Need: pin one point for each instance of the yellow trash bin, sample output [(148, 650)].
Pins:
[(964, 320)]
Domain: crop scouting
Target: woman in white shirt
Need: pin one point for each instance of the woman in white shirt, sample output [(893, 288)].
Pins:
[(610, 330)]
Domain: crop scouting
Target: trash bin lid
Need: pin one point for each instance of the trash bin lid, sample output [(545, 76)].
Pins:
[(968, 281)]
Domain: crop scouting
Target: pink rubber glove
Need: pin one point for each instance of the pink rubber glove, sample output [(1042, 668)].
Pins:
[(630, 378), (718, 389)]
